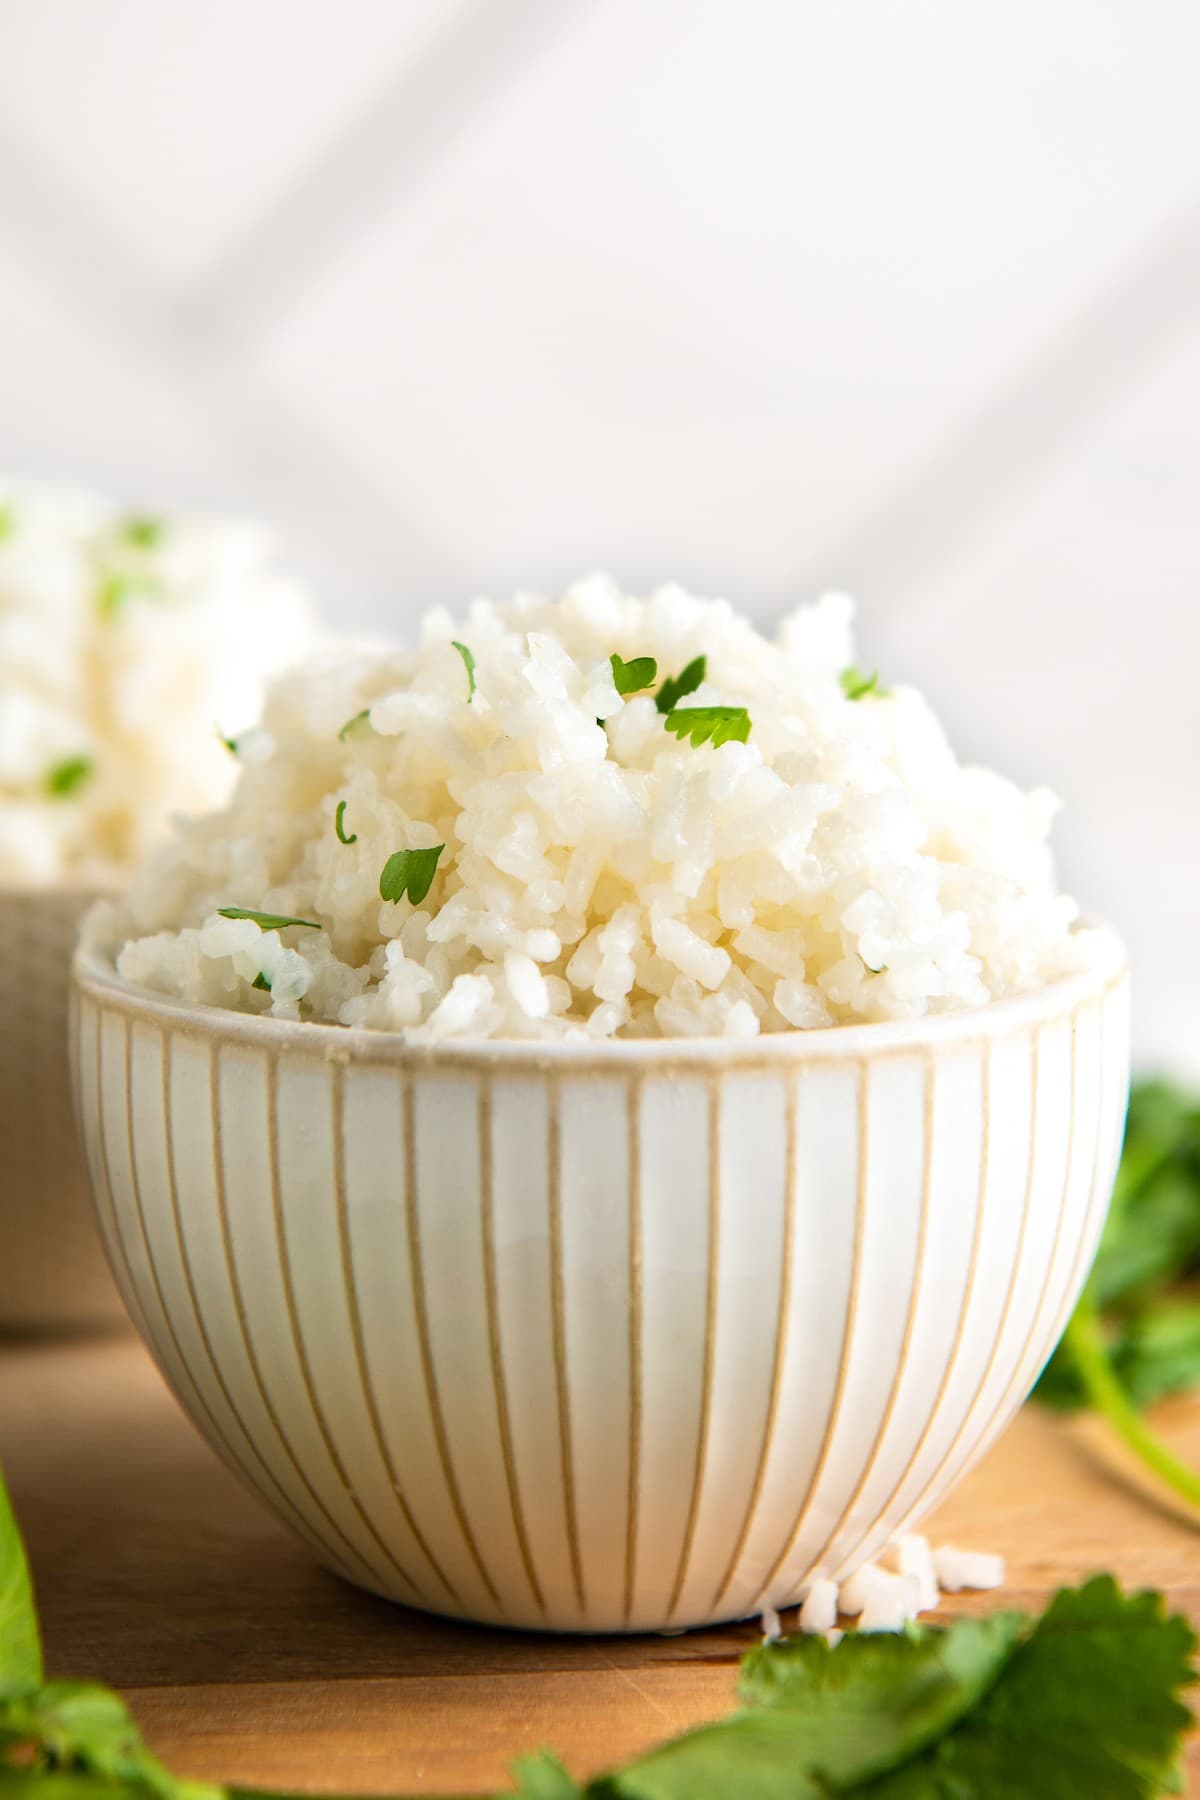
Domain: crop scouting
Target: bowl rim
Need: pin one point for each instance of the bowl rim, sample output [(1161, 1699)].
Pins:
[(94, 976)]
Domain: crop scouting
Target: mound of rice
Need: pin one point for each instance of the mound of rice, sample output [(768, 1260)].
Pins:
[(600, 873), (124, 640)]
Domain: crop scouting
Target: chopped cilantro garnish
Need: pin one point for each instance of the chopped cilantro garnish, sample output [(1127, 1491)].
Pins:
[(410, 871), (262, 983), (358, 719), (267, 921), (8, 519), (857, 686), (143, 531), (632, 677), (68, 776), (677, 687), (117, 591), (229, 743), (710, 724), (468, 665), (339, 827)]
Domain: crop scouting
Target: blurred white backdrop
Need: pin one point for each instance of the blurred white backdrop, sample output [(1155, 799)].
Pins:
[(766, 295)]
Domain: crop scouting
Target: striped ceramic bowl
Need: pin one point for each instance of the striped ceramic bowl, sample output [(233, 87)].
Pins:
[(612, 1338)]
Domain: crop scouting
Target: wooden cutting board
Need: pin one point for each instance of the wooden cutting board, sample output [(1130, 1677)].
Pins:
[(245, 1663)]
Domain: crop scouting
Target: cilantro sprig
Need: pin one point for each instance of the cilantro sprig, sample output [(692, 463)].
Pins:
[(1084, 1701), (714, 725), (411, 872), (339, 825), (1135, 1335), (267, 921)]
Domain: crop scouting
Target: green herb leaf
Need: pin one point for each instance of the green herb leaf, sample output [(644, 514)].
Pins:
[(857, 686), (542, 1777), (262, 983), (358, 719), (632, 677), (1134, 1337), (143, 531), (1089, 1705), (67, 777), (20, 1641), (117, 591), (468, 665), (338, 826), (8, 519), (710, 724), (410, 871), (677, 687), (80, 1728), (817, 1719), (229, 743), (267, 921)]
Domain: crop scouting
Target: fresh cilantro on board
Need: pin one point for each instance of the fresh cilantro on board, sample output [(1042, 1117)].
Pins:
[(1083, 1703), (677, 687), (339, 825), (1135, 1335), (632, 677), (411, 872), (468, 665), (267, 921), (714, 725), (67, 777)]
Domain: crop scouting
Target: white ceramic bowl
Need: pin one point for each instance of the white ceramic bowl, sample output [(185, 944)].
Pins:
[(53, 1271), (610, 1338)]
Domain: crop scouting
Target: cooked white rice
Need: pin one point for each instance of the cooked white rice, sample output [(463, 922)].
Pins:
[(128, 643), (604, 879)]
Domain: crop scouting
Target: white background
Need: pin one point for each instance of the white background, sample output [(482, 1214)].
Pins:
[(764, 295)]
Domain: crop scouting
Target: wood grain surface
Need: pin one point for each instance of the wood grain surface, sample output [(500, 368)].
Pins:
[(245, 1662)]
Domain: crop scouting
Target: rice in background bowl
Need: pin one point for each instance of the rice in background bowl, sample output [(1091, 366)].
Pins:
[(598, 817), (129, 642)]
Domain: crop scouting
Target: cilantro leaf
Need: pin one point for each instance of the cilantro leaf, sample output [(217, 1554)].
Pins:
[(815, 1719), (262, 983), (67, 777), (542, 1777), (20, 1641), (1088, 1705), (229, 743), (677, 687), (857, 686), (84, 1729), (348, 727), (409, 870), (267, 921), (632, 677), (117, 591), (339, 826), (143, 531), (709, 724), (468, 665)]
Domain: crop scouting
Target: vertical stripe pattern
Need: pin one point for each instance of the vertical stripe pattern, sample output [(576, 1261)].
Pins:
[(599, 1349)]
